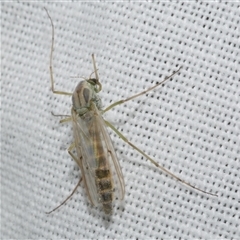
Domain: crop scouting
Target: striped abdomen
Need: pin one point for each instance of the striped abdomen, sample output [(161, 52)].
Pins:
[(103, 174), (105, 188)]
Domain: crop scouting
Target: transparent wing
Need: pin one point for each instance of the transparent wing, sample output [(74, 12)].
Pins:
[(113, 161), (86, 131), (85, 152)]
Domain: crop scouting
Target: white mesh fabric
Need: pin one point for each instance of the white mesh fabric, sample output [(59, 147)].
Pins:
[(190, 126)]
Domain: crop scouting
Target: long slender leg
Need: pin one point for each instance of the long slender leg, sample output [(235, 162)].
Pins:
[(61, 115), (74, 190), (71, 147), (139, 94), (51, 58), (154, 162), (67, 118)]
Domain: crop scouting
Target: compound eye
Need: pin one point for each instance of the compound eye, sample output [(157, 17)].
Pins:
[(86, 95)]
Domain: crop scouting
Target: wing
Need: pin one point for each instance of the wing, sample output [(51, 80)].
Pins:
[(85, 152), (113, 161), (86, 130)]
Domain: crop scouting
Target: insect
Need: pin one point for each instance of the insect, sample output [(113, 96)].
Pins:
[(96, 157)]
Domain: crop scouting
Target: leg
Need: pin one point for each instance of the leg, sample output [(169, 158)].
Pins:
[(139, 94), (74, 190), (67, 119), (50, 66), (71, 147), (154, 162)]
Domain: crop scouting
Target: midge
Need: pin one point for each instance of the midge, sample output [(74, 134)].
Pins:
[(96, 157)]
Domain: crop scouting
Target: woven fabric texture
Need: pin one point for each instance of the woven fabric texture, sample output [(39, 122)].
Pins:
[(190, 125)]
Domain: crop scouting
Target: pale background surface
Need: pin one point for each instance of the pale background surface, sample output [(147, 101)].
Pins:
[(191, 125)]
